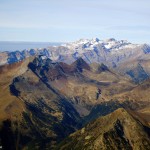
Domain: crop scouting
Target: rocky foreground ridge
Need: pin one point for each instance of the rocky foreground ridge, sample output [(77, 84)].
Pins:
[(43, 102)]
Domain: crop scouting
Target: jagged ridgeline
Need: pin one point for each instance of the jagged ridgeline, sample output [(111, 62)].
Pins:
[(122, 56), (44, 101)]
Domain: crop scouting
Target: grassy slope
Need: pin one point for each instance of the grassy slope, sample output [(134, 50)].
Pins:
[(118, 130), (10, 106)]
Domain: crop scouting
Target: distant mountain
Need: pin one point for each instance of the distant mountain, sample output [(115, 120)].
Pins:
[(22, 45), (121, 56)]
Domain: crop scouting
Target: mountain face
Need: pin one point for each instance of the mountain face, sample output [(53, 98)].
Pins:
[(94, 50), (122, 56), (118, 130), (42, 101)]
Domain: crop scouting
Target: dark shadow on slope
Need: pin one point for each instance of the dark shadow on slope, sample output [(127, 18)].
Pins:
[(101, 110), (13, 89), (7, 136)]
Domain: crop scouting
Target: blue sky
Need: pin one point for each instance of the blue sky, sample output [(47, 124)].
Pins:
[(68, 20)]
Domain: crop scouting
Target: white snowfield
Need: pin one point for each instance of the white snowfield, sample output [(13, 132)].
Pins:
[(95, 50), (82, 45)]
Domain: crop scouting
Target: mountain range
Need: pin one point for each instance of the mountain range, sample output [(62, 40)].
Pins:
[(89, 94), (122, 56)]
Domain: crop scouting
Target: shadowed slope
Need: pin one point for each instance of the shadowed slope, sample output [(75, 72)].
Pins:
[(118, 130), (10, 106), (52, 100)]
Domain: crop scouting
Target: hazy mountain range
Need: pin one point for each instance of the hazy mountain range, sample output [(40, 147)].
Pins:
[(22, 45), (89, 94), (115, 54)]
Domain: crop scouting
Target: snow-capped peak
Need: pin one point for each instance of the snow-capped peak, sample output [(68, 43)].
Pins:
[(113, 44), (95, 40), (110, 40), (84, 42), (110, 44)]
